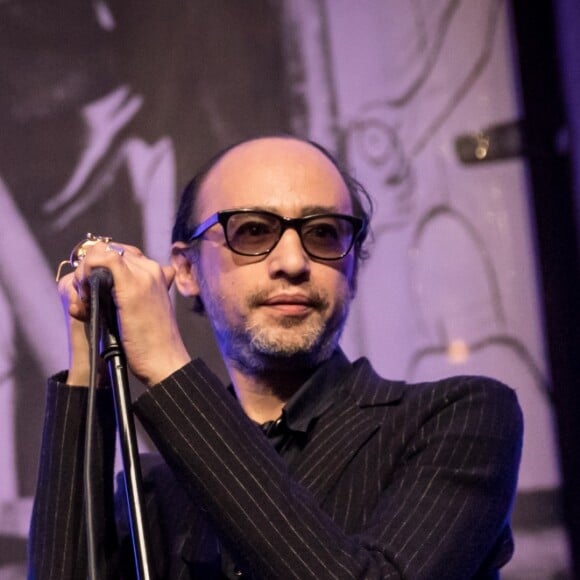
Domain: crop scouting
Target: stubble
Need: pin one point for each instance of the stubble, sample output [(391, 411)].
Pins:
[(258, 343)]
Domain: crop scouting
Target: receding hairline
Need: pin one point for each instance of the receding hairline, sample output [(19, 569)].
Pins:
[(267, 141)]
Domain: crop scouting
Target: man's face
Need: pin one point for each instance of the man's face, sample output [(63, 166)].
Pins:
[(284, 308)]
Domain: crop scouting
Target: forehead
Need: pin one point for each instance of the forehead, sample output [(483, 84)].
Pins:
[(280, 174)]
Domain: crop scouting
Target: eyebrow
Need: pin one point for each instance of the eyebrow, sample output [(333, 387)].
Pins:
[(305, 211)]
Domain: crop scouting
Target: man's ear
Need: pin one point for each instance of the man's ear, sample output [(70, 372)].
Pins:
[(185, 274)]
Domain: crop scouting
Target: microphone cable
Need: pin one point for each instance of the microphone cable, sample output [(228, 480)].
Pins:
[(88, 473)]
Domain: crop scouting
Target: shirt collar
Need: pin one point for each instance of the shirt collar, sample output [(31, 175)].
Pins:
[(317, 394)]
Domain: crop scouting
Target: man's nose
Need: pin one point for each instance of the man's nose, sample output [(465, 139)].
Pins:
[(289, 256)]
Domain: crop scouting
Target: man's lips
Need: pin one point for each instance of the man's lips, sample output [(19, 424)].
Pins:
[(290, 304)]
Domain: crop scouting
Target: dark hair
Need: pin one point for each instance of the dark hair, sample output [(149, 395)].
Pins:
[(362, 204)]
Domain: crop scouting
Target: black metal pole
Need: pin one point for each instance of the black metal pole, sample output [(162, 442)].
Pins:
[(553, 204)]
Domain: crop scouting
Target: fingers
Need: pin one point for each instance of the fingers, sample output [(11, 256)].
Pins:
[(73, 303), (112, 256), (128, 265), (149, 331)]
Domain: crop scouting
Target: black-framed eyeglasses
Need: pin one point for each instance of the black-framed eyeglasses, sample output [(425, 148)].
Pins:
[(249, 232)]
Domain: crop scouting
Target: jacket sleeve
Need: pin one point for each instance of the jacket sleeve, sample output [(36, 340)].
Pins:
[(277, 527), (57, 542)]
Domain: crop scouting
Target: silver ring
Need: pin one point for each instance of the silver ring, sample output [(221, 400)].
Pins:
[(80, 251), (115, 248)]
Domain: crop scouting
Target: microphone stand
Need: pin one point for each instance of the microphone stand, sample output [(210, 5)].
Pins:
[(111, 351)]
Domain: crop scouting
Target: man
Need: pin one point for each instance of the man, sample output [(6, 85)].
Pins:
[(310, 467)]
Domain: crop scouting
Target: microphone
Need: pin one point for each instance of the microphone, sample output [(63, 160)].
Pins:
[(101, 284), (104, 278)]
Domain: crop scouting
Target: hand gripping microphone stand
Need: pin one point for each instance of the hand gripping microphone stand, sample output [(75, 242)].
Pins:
[(111, 350)]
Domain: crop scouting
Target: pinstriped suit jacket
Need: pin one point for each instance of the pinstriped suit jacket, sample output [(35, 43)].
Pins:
[(396, 481)]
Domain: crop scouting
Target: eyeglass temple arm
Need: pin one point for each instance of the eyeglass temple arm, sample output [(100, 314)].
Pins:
[(204, 226)]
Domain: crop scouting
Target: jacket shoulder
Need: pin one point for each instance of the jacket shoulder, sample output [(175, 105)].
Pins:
[(370, 389)]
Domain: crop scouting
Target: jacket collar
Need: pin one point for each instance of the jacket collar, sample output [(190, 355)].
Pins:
[(369, 389)]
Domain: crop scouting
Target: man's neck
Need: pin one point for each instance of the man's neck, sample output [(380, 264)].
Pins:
[(263, 396)]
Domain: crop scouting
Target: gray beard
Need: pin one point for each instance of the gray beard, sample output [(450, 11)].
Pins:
[(254, 349)]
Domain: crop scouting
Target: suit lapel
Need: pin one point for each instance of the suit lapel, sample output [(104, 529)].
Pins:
[(337, 440), (345, 427)]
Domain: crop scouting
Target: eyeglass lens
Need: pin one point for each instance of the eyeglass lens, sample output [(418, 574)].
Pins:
[(327, 237)]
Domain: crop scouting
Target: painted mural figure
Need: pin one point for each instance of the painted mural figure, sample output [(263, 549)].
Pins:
[(88, 142), (440, 226), (107, 150), (451, 286)]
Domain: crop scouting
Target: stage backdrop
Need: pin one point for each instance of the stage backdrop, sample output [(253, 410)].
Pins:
[(108, 107)]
